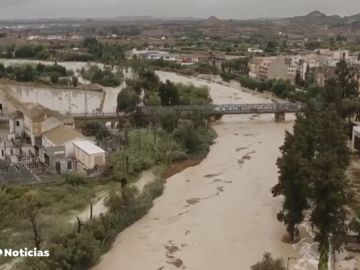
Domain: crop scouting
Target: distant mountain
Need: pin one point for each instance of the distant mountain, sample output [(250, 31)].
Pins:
[(317, 18), (212, 21), (353, 18)]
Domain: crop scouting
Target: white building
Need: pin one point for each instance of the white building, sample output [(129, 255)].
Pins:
[(88, 155), (62, 136), (255, 50), (154, 55)]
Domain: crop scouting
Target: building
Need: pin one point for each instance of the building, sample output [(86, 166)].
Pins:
[(88, 155), (324, 73), (154, 55), (57, 147), (16, 125), (254, 64), (272, 68), (38, 120), (255, 50), (62, 136)]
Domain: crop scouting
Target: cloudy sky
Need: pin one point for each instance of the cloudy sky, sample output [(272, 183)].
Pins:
[(237, 9)]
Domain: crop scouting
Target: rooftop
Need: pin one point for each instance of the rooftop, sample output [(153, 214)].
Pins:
[(89, 147), (39, 113), (62, 134)]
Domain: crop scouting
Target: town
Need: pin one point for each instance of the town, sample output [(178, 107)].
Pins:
[(125, 137)]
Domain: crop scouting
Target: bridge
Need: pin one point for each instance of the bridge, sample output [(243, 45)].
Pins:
[(212, 110), (223, 109)]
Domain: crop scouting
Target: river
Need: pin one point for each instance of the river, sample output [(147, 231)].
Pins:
[(219, 214)]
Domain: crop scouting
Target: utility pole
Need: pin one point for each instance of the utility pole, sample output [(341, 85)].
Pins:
[(91, 211)]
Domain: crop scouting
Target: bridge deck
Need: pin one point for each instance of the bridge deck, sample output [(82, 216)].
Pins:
[(222, 109)]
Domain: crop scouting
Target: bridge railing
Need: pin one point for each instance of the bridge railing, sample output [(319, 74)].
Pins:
[(212, 108)]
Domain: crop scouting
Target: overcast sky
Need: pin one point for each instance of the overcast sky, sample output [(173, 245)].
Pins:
[(237, 9)]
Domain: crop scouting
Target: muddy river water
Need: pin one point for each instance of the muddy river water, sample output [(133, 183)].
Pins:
[(219, 214)]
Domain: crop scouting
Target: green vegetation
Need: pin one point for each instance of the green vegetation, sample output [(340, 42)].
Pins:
[(190, 70), (106, 77), (29, 51), (37, 73), (159, 93), (80, 248), (109, 54), (239, 66), (23, 207), (269, 263), (313, 164), (280, 88)]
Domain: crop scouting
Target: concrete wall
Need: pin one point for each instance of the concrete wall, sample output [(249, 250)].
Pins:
[(62, 100), (30, 130), (54, 153)]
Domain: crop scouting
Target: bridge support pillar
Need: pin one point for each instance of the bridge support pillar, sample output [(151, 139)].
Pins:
[(280, 117)]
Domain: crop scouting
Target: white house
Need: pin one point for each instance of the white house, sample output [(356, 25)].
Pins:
[(88, 155), (62, 136)]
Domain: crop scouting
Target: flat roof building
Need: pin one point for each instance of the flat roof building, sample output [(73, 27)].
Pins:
[(88, 155)]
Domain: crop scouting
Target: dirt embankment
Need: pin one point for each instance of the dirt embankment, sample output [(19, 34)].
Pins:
[(180, 166)]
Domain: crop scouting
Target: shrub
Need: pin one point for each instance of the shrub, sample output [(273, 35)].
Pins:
[(74, 180), (268, 263)]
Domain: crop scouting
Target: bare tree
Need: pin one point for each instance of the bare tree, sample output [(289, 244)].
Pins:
[(30, 210)]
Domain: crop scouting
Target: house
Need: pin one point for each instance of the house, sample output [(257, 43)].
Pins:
[(16, 125), (57, 146), (38, 119), (88, 155), (62, 136)]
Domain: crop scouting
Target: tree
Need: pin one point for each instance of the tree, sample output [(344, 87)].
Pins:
[(54, 77), (30, 210), (75, 81), (283, 89), (10, 51), (127, 99), (168, 120), (271, 46), (239, 66), (186, 135), (2, 70), (149, 80), (309, 76), (154, 100), (329, 185), (168, 94), (24, 74), (346, 79), (299, 82), (268, 263), (293, 185)]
